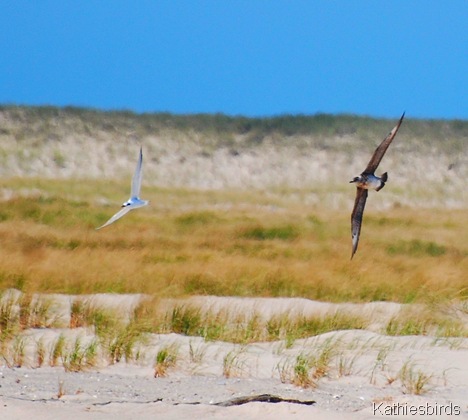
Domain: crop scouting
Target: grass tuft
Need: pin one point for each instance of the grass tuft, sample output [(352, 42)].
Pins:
[(261, 233), (426, 321), (58, 351), (414, 380), (165, 359), (197, 219), (417, 247), (234, 363), (80, 356), (309, 367)]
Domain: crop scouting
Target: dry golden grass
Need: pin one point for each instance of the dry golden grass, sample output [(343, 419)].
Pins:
[(226, 243)]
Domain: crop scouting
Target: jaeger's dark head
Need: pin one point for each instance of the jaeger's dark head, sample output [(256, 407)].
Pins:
[(355, 179)]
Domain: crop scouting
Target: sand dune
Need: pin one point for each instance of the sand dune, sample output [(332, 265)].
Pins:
[(424, 159), (193, 387)]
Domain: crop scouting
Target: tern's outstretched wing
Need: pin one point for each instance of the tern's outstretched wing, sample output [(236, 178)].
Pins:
[(115, 217), (356, 217), (380, 151), (136, 181)]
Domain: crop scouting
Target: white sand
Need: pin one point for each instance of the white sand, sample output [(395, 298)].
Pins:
[(192, 387)]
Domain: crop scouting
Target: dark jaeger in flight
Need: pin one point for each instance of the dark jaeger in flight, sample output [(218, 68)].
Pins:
[(366, 181)]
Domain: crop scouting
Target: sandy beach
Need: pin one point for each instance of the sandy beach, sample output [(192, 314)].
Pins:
[(362, 382)]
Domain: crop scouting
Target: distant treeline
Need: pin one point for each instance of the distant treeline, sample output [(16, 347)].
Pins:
[(286, 125)]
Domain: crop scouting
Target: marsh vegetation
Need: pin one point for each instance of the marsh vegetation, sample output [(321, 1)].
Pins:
[(226, 243)]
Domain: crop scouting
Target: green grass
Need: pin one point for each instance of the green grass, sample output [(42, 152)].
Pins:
[(244, 329), (308, 368), (294, 328), (58, 351), (414, 380), (117, 336), (79, 356), (197, 219), (426, 321), (260, 233), (417, 247), (166, 358)]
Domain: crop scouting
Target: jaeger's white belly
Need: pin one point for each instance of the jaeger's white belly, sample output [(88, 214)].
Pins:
[(370, 182)]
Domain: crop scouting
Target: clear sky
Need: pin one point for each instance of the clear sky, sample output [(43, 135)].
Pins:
[(239, 57)]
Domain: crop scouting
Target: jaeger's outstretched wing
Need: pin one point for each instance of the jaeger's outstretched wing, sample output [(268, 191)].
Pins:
[(380, 151), (356, 216)]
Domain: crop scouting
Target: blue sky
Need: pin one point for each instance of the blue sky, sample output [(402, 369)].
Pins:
[(239, 57)]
